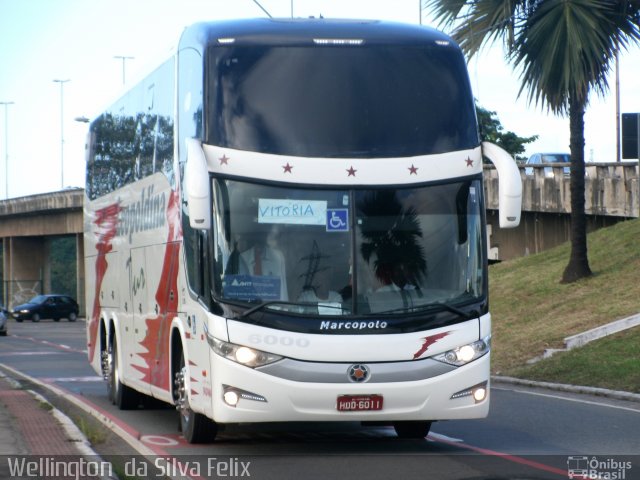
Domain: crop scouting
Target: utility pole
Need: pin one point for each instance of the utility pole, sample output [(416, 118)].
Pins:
[(61, 82), (6, 148), (124, 59), (618, 152)]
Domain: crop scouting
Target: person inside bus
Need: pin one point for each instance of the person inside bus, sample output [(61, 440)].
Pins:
[(264, 259), (317, 291), (397, 289)]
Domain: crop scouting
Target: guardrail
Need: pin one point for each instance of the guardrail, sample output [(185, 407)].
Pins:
[(611, 189)]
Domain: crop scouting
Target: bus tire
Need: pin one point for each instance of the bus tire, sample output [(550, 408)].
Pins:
[(195, 427), (412, 429), (122, 396)]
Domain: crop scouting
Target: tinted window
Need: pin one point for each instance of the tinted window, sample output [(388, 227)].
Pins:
[(406, 248), (556, 158), (190, 126), (134, 138), (340, 101)]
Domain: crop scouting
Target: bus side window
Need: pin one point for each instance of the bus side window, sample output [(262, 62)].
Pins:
[(190, 119), (195, 244)]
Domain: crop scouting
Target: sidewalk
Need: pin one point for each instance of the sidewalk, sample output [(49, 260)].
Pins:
[(28, 426)]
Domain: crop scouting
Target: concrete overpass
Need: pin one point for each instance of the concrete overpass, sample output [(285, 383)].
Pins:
[(28, 226), (611, 195)]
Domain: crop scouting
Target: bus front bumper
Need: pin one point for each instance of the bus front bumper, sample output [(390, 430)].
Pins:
[(259, 397)]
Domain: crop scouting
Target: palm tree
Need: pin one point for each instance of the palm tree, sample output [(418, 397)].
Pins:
[(564, 50)]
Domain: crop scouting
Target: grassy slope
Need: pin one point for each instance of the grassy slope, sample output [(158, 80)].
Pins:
[(532, 311), (611, 362)]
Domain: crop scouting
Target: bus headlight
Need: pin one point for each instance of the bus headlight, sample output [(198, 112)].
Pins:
[(247, 356), (465, 353)]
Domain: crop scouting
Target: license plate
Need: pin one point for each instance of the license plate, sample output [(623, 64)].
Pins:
[(359, 403)]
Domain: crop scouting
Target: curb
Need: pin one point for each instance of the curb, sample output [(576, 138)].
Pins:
[(133, 440), (563, 387), (72, 431)]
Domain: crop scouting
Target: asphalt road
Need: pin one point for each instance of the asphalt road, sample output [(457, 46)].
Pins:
[(529, 434)]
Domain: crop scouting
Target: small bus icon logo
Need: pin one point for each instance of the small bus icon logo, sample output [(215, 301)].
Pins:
[(578, 467)]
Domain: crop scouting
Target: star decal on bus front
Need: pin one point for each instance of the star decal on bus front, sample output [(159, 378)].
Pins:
[(351, 172), (287, 168), (224, 160), (469, 162), (413, 170)]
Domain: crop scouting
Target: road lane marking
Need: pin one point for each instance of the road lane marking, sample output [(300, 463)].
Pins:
[(73, 379), (26, 354), (568, 399), (59, 346), (159, 440), (436, 437), (511, 458)]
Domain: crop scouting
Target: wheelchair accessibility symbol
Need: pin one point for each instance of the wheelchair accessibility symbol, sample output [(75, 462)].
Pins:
[(337, 220)]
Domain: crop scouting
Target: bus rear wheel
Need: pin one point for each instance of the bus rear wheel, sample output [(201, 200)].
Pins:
[(412, 429), (195, 427), (124, 397)]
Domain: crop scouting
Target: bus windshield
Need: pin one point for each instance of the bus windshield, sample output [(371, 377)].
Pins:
[(348, 252), (340, 101)]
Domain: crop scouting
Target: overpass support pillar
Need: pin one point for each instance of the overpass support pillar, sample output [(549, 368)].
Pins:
[(24, 260)]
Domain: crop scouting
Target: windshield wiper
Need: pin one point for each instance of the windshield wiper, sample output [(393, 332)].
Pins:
[(262, 305), (429, 306)]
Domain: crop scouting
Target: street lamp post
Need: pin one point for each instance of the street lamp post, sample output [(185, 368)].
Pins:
[(61, 82), (6, 148), (124, 59)]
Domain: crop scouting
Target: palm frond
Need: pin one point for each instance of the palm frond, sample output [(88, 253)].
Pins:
[(562, 48)]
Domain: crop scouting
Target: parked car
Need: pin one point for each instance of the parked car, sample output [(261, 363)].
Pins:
[(540, 158), (4, 316), (47, 306)]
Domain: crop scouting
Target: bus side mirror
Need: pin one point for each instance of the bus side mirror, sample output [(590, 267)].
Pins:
[(510, 185), (196, 185)]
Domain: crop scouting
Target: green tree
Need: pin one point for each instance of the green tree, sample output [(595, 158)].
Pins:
[(63, 266), (564, 50), (491, 130)]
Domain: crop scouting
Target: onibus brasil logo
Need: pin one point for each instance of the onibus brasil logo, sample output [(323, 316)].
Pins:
[(594, 468)]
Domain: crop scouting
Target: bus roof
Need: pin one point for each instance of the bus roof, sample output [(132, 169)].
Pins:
[(283, 31)]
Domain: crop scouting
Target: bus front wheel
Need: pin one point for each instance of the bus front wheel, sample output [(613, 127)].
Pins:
[(195, 427)]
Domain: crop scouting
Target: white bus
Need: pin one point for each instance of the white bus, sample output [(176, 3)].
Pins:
[(285, 222)]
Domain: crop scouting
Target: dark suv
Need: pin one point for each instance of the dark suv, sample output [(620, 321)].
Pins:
[(47, 306)]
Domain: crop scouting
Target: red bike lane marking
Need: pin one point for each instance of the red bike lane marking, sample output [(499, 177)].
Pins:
[(506, 456)]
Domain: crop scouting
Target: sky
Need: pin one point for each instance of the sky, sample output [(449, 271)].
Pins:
[(77, 40)]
